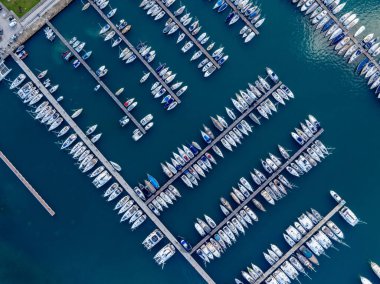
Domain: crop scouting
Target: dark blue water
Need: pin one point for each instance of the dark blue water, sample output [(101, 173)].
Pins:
[(84, 242)]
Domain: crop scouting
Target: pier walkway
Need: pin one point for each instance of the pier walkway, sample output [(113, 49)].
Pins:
[(301, 242), (26, 184), (136, 52), (258, 190), (348, 33), (188, 33), (243, 17), (98, 80), (112, 171), (216, 140)]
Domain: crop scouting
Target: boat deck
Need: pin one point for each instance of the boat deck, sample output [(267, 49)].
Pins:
[(27, 184), (301, 242), (243, 17), (104, 161), (135, 51), (188, 33), (216, 140), (258, 190), (98, 80), (348, 33)]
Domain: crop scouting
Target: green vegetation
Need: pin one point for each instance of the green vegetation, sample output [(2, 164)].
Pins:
[(19, 7)]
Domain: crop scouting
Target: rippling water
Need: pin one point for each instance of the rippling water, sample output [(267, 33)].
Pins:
[(85, 243)]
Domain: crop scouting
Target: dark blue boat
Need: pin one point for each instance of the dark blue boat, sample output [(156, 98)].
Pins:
[(185, 244), (327, 25), (193, 149), (230, 15), (223, 7), (361, 65), (337, 39), (160, 67)]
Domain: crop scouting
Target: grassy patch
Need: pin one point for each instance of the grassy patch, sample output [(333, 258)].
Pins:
[(19, 7)]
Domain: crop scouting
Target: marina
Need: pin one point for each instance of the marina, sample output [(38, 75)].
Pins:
[(243, 17), (257, 191), (166, 249), (216, 140), (290, 252), (27, 184), (135, 51), (98, 80), (188, 34), (113, 172)]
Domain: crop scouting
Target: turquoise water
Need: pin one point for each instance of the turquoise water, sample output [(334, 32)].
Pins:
[(84, 242)]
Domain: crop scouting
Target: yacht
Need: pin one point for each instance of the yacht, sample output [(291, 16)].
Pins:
[(349, 216), (375, 268), (164, 254)]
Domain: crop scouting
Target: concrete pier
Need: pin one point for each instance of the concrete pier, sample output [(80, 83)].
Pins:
[(113, 172), (348, 33), (243, 17), (301, 242), (216, 140), (26, 184), (188, 33), (136, 52), (98, 80), (258, 190)]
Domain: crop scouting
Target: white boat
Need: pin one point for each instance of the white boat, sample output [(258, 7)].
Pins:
[(376, 268), (349, 216), (77, 113)]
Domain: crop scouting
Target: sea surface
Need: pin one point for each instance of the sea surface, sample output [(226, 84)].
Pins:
[(85, 243)]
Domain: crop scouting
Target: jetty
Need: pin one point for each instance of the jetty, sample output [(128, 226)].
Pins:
[(243, 17), (301, 242), (136, 52), (348, 33), (258, 190), (27, 184), (98, 80), (216, 140), (108, 166), (188, 33)]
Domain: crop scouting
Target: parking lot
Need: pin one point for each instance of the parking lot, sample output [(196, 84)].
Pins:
[(7, 30)]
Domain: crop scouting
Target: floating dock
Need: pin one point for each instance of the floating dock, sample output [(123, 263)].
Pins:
[(136, 52), (27, 184), (188, 33), (216, 140), (257, 191), (301, 242), (98, 80), (112, 171), (243, 17), (348, 33)]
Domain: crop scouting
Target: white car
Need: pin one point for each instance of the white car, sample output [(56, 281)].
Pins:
[(13, 23)]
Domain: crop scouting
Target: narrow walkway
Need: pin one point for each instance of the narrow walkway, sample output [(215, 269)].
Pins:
[(258, 190), (301, 242), (186, 31), (112, 171), (100, 82), (136, 52), (216, 140), (243, 17), (348, 33), (26, 184)]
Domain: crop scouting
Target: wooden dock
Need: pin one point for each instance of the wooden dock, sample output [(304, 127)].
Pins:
[(348, 33), (257, 191), (112, 171), (26, 184), (136, 52), (243, 17), (188, 33), (216, 140), (301, 242), (98, 80)]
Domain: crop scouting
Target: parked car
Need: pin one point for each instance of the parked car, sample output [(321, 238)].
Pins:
[(13, 23)]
